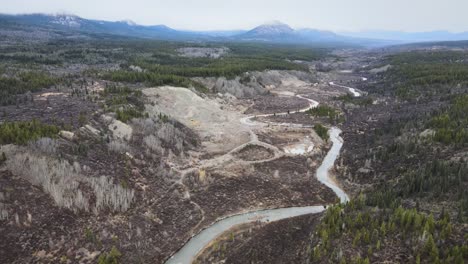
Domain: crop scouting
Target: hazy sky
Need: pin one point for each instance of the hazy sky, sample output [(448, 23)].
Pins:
[(337, 15)]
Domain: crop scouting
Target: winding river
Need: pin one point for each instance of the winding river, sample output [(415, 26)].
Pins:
[(250, 122), (190, 250), (351, 89)]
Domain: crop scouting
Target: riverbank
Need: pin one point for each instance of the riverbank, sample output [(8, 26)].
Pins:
[(191, 249)]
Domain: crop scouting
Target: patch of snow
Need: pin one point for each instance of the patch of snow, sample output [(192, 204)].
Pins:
[(129, 22), (66, 20)]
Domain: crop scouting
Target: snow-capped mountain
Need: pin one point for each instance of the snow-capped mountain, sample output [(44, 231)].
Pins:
[(74, 24), (280, 32), (129, 22), (66, 20), (275, 32), (270, 31), (274, 28)]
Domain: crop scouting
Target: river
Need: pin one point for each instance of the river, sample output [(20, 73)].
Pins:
[(190, 250)]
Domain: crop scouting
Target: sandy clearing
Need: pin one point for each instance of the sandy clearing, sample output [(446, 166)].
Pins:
[(44, 96), (217, 125), (300, 148)]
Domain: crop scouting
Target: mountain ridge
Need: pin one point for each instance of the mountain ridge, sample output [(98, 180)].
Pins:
[(274, 32)]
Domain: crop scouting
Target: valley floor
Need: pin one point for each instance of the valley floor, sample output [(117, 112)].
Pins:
[(115, 162)]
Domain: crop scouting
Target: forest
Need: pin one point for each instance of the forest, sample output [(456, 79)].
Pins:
[(416, 206), (425, 75), (28, 81), (125, 102), (23, 66), (451, 123), (21, 133), (371, 231), (166, 68), (324, 111)]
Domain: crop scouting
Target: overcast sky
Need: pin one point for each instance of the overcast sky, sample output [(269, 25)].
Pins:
[(337, 15)]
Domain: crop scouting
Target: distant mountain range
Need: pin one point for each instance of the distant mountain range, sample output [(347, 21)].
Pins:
[(408, 37), (275, 32), (74, 23)]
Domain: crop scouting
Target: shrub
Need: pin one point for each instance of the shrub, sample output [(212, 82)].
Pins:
[(3, 212), (44, 145), (110, 258), (324, 111), (128, 113), (161, 134), (321, 131), (153, 143), (118, 146), (109, 195), (3, 158)]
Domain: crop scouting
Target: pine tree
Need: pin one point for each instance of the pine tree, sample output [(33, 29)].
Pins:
[(431, 248), (430, 225), (3, 158), (383, 229), (460, 214)]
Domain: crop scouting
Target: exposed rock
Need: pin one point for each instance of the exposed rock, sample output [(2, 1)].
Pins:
[(200, 52), (92, 130), (364, 170), (234, 87), (427, 133), (136, 68), (120, 130), (252, 84), (67, 135), (381, 69)]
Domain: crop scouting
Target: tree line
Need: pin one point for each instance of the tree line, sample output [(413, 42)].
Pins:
[(21, 133), (31, 81), (370, 230)]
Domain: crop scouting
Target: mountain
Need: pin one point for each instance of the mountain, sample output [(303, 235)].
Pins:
[(275, 32), (278, 32), (408, 37), (318, 34), (221, 33), (282, 33), (72, 23)]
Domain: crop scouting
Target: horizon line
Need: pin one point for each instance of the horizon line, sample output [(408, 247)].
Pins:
[(271, 22)]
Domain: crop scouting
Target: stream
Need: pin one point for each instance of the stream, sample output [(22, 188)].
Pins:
[(351, 90), (196, 244)]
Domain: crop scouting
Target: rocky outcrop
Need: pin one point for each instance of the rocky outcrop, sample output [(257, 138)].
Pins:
[(251, 84)]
